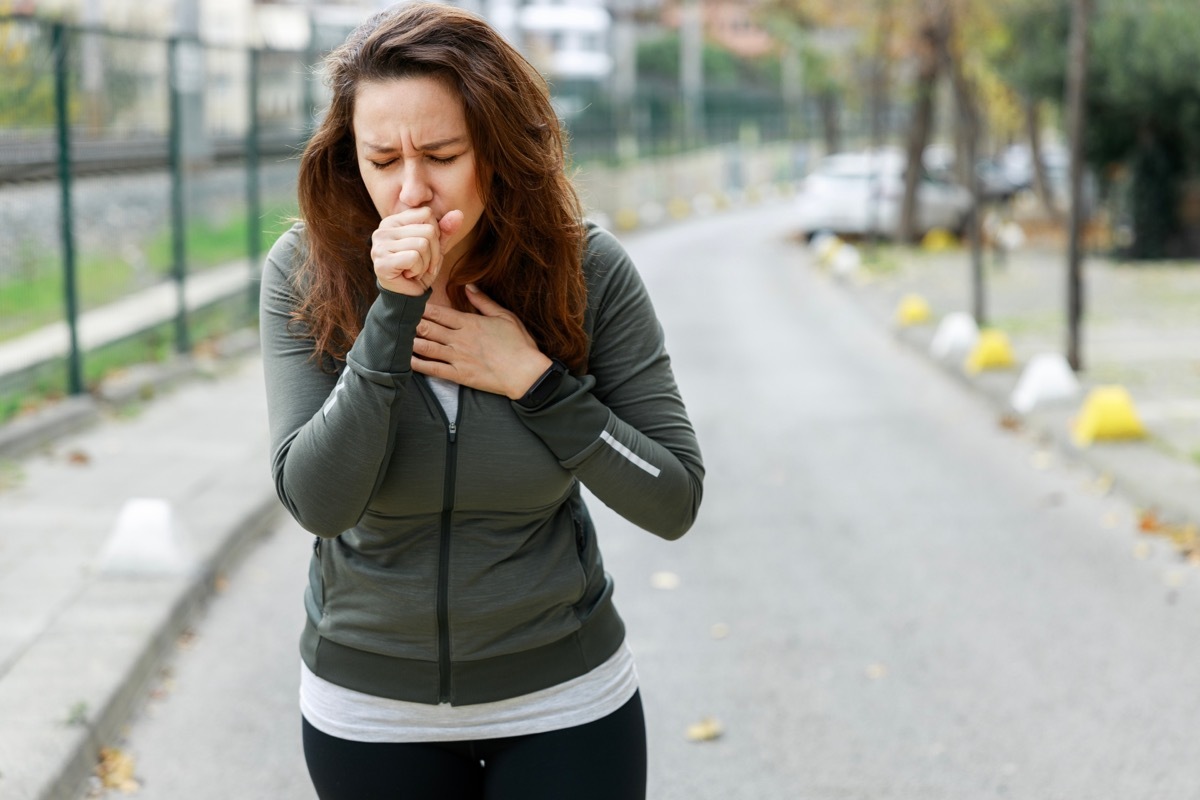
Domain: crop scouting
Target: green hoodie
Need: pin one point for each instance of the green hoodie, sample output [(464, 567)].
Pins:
[(455, 560)]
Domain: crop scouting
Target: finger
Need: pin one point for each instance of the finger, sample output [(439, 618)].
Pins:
[(417, 244), (444, 316), (433, 351), (437, 369), (486, 305), (427, 329), (409, 216), (450, 222), (407, 263)]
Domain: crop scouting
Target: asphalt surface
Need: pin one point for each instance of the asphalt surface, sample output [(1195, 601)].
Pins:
[(887, 594)]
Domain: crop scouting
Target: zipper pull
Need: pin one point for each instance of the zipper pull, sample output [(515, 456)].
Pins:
[(453, 431)]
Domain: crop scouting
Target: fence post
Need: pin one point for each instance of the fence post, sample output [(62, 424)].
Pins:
[(253, 195), (58, 38), (178, 216)]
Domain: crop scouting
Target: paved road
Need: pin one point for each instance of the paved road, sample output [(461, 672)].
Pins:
[(919, 604)]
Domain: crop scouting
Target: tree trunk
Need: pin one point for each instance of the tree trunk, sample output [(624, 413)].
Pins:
[(932, 41), (1077, 64), (829, 121), (969, 128), (879, 105), (1041, 184)]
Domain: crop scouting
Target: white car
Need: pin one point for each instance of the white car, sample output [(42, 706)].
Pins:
[(861, 193)]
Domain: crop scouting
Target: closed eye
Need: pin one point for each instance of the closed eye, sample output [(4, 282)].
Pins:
[(383, 164), (442, 159)]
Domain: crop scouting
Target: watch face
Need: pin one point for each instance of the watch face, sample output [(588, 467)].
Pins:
[(546, 385)]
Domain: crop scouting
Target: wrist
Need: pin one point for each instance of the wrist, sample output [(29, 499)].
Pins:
[(544, 386)]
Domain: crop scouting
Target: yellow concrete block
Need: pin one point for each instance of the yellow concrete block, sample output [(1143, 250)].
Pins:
[(913, 310), (991, 351), (679, 208), (938, 240), (1108, 414), (627, 219)]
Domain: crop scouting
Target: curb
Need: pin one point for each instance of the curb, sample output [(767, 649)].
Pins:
[(651, 214), (27, 434), (89, 672), (178, 603), (1175, 486)]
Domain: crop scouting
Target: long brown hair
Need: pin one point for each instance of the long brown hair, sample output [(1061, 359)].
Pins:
[(528, 247)]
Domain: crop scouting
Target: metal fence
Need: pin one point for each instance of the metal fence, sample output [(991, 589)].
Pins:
[(142, 179)]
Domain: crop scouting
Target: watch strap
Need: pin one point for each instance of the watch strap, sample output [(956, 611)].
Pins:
[(545, 386)]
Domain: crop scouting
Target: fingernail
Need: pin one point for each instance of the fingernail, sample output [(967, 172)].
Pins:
[(472, 288)]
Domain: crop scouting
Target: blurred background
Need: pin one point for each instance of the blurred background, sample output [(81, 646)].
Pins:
[(152, 145)]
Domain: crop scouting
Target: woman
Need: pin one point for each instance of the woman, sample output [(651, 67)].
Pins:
[(450, 352)]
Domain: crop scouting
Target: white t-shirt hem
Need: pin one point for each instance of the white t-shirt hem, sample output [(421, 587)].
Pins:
[(356, 716)]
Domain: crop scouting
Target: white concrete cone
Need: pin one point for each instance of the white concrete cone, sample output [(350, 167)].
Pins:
[(846, 261), (651, 213), (146, 541), (954, 338), (1047, 378), (823, 245)]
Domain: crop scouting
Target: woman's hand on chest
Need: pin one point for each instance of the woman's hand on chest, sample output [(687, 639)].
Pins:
[(490, 351)]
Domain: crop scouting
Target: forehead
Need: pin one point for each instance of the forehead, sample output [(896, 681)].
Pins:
[(406, 110)]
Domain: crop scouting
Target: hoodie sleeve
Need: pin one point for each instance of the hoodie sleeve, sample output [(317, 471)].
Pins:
[(331, 435), (622, 428)]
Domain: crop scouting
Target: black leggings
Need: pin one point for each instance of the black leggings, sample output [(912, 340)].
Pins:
[(602, 760)]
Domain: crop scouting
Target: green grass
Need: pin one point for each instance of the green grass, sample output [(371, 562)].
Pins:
[(35, 298), (208, 245), (881, 259), (48, 382)]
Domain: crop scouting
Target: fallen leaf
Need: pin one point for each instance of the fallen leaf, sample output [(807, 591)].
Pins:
[(1174, 579), (1111, 520), (705, 730), (79, 458), (1042, 460), (1104, 484), (1011, 422), (876, 672), (664, 580), (1185, 537), (1148, 522), (115, 770), (719, 631), (1141, 551), (220, 584)]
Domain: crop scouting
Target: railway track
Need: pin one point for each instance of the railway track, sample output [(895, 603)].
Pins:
[(37, 159)]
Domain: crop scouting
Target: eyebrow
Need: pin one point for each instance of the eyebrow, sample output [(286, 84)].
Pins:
[(437, 145)]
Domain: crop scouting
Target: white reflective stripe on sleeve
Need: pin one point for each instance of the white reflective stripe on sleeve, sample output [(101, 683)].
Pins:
[(332, 401), (632, 456)]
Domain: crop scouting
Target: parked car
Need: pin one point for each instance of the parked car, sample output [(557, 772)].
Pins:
[(861, 193)]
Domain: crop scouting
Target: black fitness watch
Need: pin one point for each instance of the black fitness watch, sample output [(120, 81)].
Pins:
[(545, 386)]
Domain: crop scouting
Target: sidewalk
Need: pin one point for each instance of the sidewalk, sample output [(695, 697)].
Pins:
[(80, 646), (1141, 331)]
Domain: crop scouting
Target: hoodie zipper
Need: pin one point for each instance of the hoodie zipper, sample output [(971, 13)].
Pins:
[(443, 587)]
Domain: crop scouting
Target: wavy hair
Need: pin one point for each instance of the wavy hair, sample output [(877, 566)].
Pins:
[(528, 247)]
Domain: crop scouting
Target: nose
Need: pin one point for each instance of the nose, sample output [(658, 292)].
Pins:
[(415, 190)]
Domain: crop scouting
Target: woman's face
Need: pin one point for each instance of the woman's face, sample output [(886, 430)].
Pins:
[(414, 151)]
